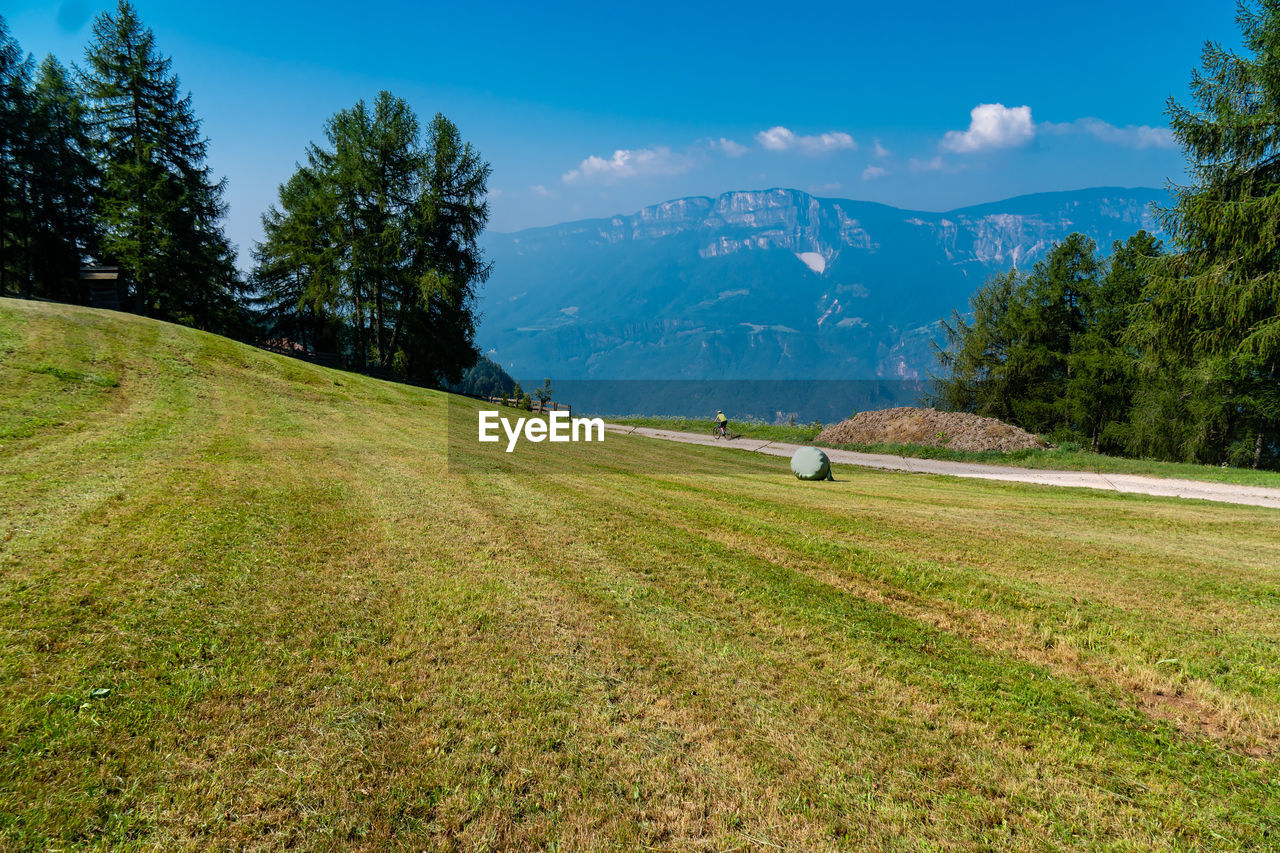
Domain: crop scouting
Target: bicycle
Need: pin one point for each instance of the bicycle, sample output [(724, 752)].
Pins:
[(721, 431)]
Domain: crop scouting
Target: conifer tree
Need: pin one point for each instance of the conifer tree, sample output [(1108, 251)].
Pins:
[(977, 376), (1013, 360), (64, 181), (295, 272), (15, 164), (378, 232), (448, 265), (1209, 328), (1055, 310), (160, 208), (1100, 388)]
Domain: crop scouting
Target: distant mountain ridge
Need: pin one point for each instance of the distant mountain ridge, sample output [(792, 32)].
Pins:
[(767, 284)]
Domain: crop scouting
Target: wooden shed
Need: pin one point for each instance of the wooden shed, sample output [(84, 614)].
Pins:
[(106, 286)]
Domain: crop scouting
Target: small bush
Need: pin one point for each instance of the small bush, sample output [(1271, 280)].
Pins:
[(1240, 453)]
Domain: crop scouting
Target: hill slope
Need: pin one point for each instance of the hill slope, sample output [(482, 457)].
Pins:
[(243, 605), (769, 284)]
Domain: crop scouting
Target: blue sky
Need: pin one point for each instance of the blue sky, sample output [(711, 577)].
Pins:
[(589, 109)]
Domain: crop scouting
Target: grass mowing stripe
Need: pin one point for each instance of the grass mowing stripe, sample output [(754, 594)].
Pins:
[(316, 639), (907, 636), (1220, 651)]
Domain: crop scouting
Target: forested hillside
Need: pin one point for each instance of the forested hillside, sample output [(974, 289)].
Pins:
[(1170, 354)]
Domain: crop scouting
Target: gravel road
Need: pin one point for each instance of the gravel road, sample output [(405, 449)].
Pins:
[(1159, 486)]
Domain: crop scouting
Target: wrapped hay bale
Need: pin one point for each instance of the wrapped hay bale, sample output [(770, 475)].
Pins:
[(810, 463)]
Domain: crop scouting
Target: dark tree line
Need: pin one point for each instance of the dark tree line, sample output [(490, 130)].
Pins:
[(107, 163), (485, 378), (48, 173), (1166, 355), (372, 249)]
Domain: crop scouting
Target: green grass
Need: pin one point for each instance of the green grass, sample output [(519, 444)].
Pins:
[(1056, 458), (799, 434), (328, 619)]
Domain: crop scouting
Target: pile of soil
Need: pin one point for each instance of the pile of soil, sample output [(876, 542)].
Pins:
[(952, 430)]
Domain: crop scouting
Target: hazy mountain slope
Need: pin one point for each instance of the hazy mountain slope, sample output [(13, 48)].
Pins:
[(766, 284)]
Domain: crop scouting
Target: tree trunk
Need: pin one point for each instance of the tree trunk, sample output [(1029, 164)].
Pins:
[(1257, 450)]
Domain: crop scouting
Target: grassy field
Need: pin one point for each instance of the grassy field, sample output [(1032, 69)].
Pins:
[(249, 603), (1057, 458)]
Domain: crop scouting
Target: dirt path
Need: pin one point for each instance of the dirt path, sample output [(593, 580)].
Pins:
[(1159, 486)]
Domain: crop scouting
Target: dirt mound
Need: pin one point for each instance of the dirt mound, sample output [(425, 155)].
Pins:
[(952, 430)]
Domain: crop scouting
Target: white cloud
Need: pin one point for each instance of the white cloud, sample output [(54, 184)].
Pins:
[(628, 163), (823, 189), (872, 172), (540, 190), (880, 151), (495, 193), (933, 164), (992, 126), (1130, 136), (729, 147), (781, 139)]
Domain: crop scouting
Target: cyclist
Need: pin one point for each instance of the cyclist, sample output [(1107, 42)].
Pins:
[(722, 425)]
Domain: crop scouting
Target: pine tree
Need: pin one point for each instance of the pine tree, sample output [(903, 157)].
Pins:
[(378, 231), (1210, 326), (160, 207), (1041, 350), (64, 229), (448, 265), (1099, 391), (295, 266), (373, 167), (975, 359), (15, 165), (1056, 302)]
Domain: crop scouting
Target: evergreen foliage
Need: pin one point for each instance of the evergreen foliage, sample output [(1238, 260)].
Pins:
[(1167, 355), (63, 227), (159, 206), (1209, 328), (373, 245), (485, 378), (16, 166), (108, 165), (543, 393), (1045, 350)]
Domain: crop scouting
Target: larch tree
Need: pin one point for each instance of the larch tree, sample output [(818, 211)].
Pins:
[(160, 208), (377, 235), (1099, 390), (977, 376), (15, 164), (63, 186)]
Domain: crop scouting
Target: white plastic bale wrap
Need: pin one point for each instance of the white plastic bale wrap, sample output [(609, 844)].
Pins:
[(810, 463)]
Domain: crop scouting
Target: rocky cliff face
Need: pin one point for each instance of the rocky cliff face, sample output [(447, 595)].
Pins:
[(767, 284)]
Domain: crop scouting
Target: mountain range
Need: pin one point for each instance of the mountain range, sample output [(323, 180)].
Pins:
[(767, 284)]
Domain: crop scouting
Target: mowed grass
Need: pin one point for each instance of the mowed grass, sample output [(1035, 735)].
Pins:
[(1053, 458), (248, 603)]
